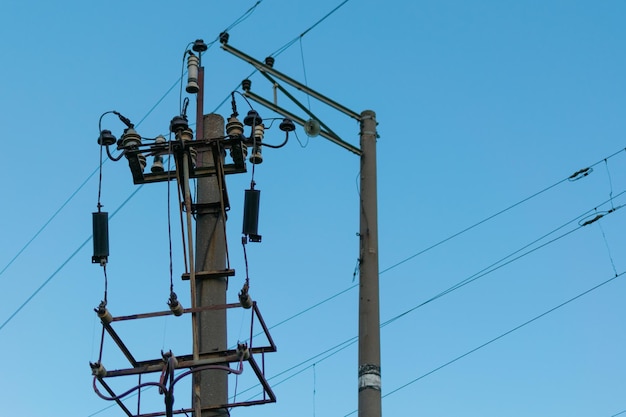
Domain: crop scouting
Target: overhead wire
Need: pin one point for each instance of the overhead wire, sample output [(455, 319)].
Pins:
[(532, 320), (239, 20), (393, 266), (310, 28), (495, 266), (243, 17), (285, 47), (73, 254), (349, 342), (454, 235), (486, 219)]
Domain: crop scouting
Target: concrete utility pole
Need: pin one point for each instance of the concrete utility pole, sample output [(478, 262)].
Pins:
[(369, 380), (369, 319), (210, 387)]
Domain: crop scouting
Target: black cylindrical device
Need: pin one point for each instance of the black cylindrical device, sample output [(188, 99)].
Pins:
[(252, 199), (100, 237)]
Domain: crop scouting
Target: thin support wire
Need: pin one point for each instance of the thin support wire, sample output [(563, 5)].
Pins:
[(608, 173), (306, 82), (608, 248), (314, 385)]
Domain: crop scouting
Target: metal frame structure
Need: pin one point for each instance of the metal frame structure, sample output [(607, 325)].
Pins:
[(369, 371), (187, 362)]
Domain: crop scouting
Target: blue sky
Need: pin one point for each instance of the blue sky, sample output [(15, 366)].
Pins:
[(480, 105)]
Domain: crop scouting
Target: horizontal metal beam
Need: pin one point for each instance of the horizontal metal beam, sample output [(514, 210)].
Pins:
[(333, 138), (267, 69)]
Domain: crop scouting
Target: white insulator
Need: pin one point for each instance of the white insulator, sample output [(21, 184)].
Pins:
[(142, 161), (243, 352), (98, 370), (104, 315), (192, 74), (256, 157), (177, 308), (157, 165), (312, 128), (234, 127), (245, 300), (185, 134), (131, 138), (194, 156), (258, 132)]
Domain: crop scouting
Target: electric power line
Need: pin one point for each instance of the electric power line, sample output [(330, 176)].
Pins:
[(450, 362), (343, 345), (47, 281), (243, 17), (454, 235), (313, 26)]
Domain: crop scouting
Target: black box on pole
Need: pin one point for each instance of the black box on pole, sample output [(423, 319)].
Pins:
[(100, 237), (251, 202)]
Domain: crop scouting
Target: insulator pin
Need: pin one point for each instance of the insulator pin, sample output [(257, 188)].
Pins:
[(157, 165), (287, 125), (243, 352), (103, 313), (131, 138), (234, 128), (106, 138), (199, 46), (257, 156), (175, 305), (98, 370), (252, 118), (178, 123), (244, 297), (100, 222)]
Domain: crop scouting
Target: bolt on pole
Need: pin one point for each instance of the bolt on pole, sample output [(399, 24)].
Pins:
[(369, 404)]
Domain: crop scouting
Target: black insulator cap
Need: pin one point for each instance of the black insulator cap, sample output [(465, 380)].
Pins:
[(224, 37), (269, 61), (246, 84), (178, 123), (199, 46), (287, 125), (252, 119), (106, 138)]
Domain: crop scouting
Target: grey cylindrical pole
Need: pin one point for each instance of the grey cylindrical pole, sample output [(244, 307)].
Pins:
[(369, 319), (211, 256)]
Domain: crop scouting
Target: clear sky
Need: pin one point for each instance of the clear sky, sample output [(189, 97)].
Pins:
[(481, 105)]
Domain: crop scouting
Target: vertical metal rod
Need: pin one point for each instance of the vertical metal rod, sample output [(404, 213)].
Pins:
[(197, 393), (369, 404), (192, 281), (200, 103)]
